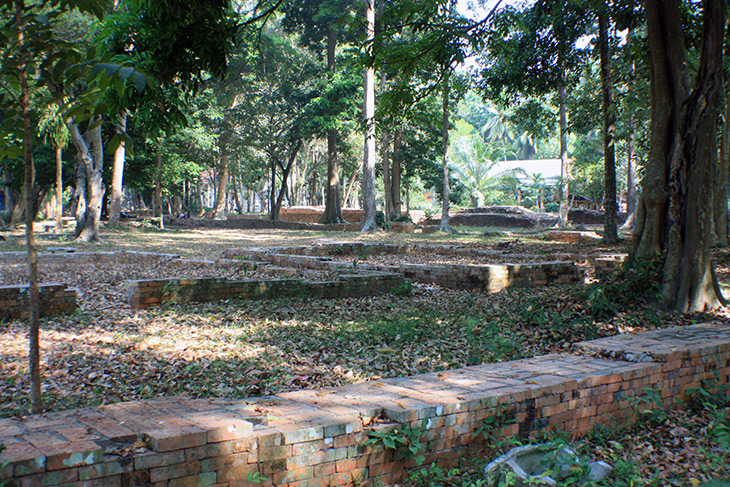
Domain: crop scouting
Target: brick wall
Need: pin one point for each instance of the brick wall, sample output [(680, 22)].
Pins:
[(146, 293), (55, 299), (489, 277), (318, 437)]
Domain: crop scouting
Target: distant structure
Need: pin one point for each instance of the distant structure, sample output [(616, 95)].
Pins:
[(549, 169)]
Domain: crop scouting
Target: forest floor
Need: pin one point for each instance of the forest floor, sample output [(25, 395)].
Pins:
[(107, 352)]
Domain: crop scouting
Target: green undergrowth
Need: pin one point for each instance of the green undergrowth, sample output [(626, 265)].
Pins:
[(689, 447)]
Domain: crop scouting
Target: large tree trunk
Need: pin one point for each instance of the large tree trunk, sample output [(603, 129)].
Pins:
[(115, 208), (677, 195), (333, 199), (368, 167), (669, 90), (445, 227), (610, 231), (564, 161), (91, 157)]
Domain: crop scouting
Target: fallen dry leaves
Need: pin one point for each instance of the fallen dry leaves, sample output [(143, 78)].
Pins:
[(108, 352)]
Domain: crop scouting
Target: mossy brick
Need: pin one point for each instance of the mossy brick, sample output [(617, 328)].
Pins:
[(73, 455), (50, 479), (23, 459), (205, 479), (296, 434), (274, 453), (150, 459), (293, 475), (224, 462), (106, 469), (176, 438), (238, 475), (176, 470)]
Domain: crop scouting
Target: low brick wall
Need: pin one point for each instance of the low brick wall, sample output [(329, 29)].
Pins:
[(605, 264), (487, 277), (308, 214), (67, 254), (55, 299), (146, 293), (319, 437)]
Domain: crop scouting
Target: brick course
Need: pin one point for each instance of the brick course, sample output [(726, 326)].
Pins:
[(55, 299), (318, 437)]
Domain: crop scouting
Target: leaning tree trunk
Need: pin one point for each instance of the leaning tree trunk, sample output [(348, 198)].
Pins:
[(610, 231), (115, 208), (276, 209), (221, 196), (368, 168), (36, 402), (687, 155), (445, 227), (87, 230)]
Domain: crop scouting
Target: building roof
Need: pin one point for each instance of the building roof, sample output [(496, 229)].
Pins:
[(549, 169)]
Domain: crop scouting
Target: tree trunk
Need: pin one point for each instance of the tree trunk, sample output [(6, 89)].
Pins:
[(368, 168), (721, 180), (396, 173), (677, 194), (158, 189), (631, 193), (385, 157), (445, 227), (91, 158), (221, 196), (79, 205), (333, 199), (237, 196), (276, 209), (59, 189), (610, 231), (36, 402), (352, 184), (115, 208), (564, 161)]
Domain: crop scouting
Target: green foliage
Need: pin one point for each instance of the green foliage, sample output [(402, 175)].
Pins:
[(405, 289), (495, 425), (404, 438), (649, 407), (256, 478), (639, 282)]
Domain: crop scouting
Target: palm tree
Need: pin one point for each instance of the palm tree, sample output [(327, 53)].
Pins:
[(472, 162), (51, 124)]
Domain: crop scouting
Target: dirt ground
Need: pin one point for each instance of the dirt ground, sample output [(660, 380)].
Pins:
[(107, 352)]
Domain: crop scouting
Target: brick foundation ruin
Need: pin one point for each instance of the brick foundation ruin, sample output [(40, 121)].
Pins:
[(319, 437)]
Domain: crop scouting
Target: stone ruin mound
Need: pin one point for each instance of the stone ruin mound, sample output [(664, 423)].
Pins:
[(503, 216)]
